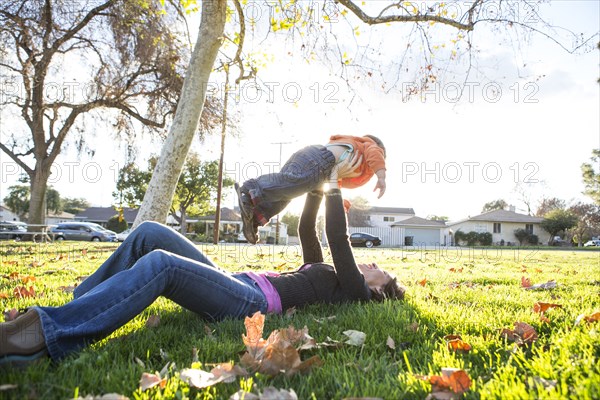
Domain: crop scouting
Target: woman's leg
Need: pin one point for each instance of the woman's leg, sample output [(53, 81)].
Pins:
[(201, 288), (145, 238)]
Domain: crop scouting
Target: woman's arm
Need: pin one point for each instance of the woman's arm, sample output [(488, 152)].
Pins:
[(311, 246), (349, 276)]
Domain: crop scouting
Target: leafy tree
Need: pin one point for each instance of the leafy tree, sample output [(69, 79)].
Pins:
[(18, 200), (53, 201), (196, 189), (132, 56), (588, 220), (292, 221), (557, 221), (298, 17), (132, 183), (359, 212), (591, 177), (499, 204), (437, 218), (74, 205), (195, 193), (548, 204)]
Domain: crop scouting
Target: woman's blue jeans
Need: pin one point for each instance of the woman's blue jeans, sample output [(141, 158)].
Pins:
[(306, 170), (153, 261)]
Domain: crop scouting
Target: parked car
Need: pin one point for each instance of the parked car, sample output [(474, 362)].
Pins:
[(121, 236), (12, 230), (87, 231), (241, 238), (364, 239), (592, 242)]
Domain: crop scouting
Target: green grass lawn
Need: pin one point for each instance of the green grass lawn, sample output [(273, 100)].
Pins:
[(474, 293)]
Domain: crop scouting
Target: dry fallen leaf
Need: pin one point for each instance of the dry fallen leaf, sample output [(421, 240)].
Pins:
[(543, 286), (225, 372), (525, 282), (108, 396), (68, 289), (21, 292), (455, 343), (254, 330), (545, 383), (148, 381), (280, 352), (198, 378), (355, 338), (543, 307), (422, 282), (595, 317), (269, 393), (153, 321), (522, 334), (390, 343), (451, 384), (413, 326)]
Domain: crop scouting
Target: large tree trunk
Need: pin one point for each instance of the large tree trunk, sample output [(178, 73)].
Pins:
[(161, 188), (183, 222), (37, 202)]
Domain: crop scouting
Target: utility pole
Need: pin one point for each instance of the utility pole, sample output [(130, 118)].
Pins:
[(277, 223)]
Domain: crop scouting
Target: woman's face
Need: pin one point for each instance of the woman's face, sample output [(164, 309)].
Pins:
[(375, 277)]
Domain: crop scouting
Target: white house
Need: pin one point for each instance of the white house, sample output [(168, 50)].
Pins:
[(398, 227), (53, 218), (384, 217), (7, 215), (502, 225), (420, 232)]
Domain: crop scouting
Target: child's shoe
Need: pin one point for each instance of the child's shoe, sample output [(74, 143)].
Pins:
[(249, 225)]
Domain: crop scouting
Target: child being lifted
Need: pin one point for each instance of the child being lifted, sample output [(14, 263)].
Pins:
[(308, 169)]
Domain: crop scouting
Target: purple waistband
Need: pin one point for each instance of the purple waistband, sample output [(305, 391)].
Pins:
[(273, 299)]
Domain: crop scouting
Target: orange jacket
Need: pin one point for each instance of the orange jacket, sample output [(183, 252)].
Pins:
[(373, 158)]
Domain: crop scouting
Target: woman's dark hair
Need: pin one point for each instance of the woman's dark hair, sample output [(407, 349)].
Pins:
[(392, 290), (378, 142)]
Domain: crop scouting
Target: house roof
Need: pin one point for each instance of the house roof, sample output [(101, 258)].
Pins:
[(391, 210), (227, 214), (501, 216), (103, 214), (62, 214), (418, 221)]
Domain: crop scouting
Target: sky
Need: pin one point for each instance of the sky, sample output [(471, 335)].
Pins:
[(528, 118)]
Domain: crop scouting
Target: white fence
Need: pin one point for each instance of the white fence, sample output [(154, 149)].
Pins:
[(390, 237)]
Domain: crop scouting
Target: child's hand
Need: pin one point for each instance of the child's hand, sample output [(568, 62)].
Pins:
[(381, 186)]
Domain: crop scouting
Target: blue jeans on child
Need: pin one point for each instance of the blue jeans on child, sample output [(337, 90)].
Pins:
[(153, 261), (305, 171)]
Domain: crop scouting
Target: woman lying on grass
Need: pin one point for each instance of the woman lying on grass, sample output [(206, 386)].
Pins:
[(156, 261)]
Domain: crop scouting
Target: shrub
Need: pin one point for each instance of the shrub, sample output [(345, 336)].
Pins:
[(115, 225), (522, 235), (484, 238), (533, 239), (473, 238)]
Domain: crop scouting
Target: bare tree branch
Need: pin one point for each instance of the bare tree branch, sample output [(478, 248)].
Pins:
[(384, 19)]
